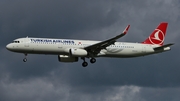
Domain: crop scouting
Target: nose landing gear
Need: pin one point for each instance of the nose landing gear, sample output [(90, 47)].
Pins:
[(25, 59)]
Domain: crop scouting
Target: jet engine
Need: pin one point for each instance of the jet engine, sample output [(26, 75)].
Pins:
[(66, 58), (78, 52)]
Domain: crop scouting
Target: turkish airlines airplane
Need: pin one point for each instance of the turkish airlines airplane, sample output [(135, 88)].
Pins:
[(70, 50)]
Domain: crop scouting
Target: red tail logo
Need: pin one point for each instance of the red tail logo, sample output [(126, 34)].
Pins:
[(158, 35)]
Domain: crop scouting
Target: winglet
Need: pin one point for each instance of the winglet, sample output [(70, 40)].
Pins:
[(126, 29)]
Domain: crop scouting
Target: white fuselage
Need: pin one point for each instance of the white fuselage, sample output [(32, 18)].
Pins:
[(61, 47)]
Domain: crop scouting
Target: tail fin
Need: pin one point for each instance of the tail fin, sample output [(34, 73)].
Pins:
[(158, 35)]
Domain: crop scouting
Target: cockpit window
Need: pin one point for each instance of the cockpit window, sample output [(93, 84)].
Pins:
[(16, 42)]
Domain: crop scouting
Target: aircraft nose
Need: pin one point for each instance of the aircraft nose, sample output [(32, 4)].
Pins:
[(9, 47)]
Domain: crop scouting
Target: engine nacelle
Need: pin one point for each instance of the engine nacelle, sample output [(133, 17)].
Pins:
[(78, 52), (65, 58)]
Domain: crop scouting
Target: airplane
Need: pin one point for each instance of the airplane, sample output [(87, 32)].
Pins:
[(70, 50)]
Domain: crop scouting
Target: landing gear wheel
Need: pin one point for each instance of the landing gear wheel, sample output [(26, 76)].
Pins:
[(24, 59), (84, 64), (93, 60)]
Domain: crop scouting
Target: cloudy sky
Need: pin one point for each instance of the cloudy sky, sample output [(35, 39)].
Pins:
[(43, 78)]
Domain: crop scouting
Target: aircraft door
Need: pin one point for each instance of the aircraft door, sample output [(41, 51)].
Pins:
[(26, 43)]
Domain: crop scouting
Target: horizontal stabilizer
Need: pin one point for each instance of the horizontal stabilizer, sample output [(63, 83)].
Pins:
[(164, 46)]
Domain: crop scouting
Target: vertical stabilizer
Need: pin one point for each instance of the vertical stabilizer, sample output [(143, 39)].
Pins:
[(158, 35)]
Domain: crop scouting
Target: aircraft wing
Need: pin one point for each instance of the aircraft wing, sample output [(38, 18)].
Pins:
[(96, 48)]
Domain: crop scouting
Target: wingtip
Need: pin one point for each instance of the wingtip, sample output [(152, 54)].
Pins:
[(126, 29)]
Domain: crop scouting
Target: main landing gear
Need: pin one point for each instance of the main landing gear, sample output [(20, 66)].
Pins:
[(85, 64), (25, 59), (92, 60)]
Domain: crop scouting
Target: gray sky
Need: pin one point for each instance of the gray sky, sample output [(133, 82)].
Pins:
[(43, 78)]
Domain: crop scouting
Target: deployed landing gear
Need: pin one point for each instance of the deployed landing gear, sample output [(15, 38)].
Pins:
[(25, 59), (84, 64), (93, 60)]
